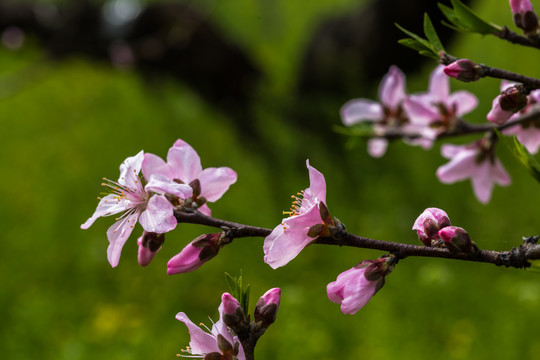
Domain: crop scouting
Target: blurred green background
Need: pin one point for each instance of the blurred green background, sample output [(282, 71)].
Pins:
[(67, 124)]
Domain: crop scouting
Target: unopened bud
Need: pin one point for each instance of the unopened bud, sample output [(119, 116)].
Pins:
[(196, 253), (267, 307), (457, 240), (511, 100), (428, 224), (149, 244), (464, 70), (233, 314), (524, 16)]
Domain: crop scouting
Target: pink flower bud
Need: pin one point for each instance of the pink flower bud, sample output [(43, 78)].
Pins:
[(233, 314), (149, 244), (524, 16), (457, 240), (196, 253), (428, 224), (464, 70), (267, 307), (512, 99)]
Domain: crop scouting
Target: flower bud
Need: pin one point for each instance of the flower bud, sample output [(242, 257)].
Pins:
[(267, 307), (149, 244), (464, 70), (196, 253), (511, 100), (457, 240), (233, 314), (428, 224), (524, 16)]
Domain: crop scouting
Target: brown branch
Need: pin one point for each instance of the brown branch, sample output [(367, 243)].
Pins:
[(517, 257), (515, 38)]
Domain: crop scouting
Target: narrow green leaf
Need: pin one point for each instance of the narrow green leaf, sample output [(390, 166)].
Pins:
[(231, 282), (359, 130), (415, 37), (449, 13), (473, 21), (411, 43), (460, 29), (522, 155), (431, 34), (245, 299), (429, 54)]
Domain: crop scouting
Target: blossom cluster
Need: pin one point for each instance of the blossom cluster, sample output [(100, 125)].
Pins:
[(422, 118), (149, 190)]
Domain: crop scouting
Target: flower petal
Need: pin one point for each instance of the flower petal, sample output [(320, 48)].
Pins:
[(117, 234), (357, 110), (439, 85), (462, 166), (377, 147), (108, 205), (184, 161), (317, 185), (464, 101), (216, 181), (200, 342), (129, 171), (158, 216), (154, 165), (288, 239), (392, 88), (161, 184)]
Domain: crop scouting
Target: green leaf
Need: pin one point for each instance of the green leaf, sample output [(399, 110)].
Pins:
[(462, 18), (236, 287), (522, 155), (362, 129), (423, 46), (411, 43), (414, 36), (431, 34)]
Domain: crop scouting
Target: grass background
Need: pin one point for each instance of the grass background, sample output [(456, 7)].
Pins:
[(66, 125)]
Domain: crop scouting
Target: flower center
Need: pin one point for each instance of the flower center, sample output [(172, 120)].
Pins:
[(299, 205)]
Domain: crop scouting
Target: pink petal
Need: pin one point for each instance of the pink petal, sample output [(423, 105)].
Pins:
[(200, 341), (144, 254), (317, 185), (483, 182), (129, 170), (377, 147), (161, 184), (185, 261), (359, 110), (462, 166), (439, 85), (352, 290), (287, 241), (420, 110), (158, 216), (117, 234), (392, 88), (501, 176), (184, 161), (205, 210), (464, 101), (108, 205), (216, 181), (154, 165), (449, 150)]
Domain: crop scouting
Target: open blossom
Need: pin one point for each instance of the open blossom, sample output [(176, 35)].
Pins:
[(129, 197), (386, 114), (355, 287), (476, 161), (183, 166), (528, 133), (428, 224), (438, 110), (296, 232), (211, 344)]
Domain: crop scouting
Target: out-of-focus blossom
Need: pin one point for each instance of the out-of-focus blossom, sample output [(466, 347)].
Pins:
[(428, 224), (512, 99), (528, 133), (129, 196), (308, 219), (476, 161), (195, 254), (438, 110), (386, 114), (355, 287), (183, 166), (218, 343)]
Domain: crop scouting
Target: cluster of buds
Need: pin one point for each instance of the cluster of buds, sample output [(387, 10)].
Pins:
[(233, 334), (434, 229)]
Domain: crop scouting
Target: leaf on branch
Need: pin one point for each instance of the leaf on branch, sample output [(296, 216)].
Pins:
[(362, 129), (236, 288), (462, 18), (522, 155), (430, 47)]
